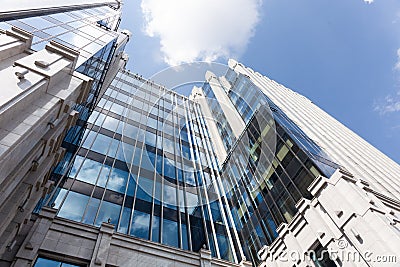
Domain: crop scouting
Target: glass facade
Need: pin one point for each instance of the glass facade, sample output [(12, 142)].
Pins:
[(268, 169), (224, 129), (96, 42), (146, 165), (85, 30)]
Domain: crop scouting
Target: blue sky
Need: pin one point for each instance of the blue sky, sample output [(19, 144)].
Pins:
[(341, 54)]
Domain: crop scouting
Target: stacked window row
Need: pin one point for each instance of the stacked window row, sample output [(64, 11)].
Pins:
[(268, 169), (280, 183), (145, 165)]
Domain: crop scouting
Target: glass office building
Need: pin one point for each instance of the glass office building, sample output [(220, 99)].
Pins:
[(268, 167), (147, 166)]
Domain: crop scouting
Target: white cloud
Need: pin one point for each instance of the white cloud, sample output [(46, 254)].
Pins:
[(200, 29), (390, 104), (368, 1), (397, 66)]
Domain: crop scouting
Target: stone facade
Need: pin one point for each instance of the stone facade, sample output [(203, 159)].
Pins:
[(36, 108), (65, 240), (354, 224)]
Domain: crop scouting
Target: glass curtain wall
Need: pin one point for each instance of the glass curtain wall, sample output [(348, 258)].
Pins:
[(146, 165), (81, 30), (269, 169)]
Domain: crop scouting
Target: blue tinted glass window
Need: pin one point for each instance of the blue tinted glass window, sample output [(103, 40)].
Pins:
[(108, 211), (37, 22), (77, 24), (150, 139), (224, 248), (113, 148), (140, 224), (54, 31), (73, 206), (62, 17), (91, 211), (155, 229), (170, 233), (110, 123), (145, 189), (147, 160), (89, 171), (129, 130), (157, 193), (41, 262), (169, 197), (169, 168), (90, 135), (117, 180), (60, 197), (76, 165), (168, 145), (74, 39), (124, 222), (125, 152), (96, 32), (185, 244), (47, 263), (103, 176)]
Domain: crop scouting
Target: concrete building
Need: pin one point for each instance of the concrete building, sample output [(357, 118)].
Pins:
[(52, 71)]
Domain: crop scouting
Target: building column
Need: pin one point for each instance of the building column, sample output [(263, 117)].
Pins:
[(245, 263), (205, 257), (102, 247), (29, 249)]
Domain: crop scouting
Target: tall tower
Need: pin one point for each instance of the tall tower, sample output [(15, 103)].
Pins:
[(296, 172), (56, 60)]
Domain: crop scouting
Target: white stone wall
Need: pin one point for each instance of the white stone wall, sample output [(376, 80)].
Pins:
[(38, 92), (354, 224), (197, 95)]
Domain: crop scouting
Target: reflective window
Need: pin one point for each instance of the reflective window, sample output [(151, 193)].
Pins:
[(42, 262), (128, 200), (170, 233), (117, 180), (74, 206), (140, 224), (62, 17), (91, 211), (101, 144), (155, 229), (89, 171), (37, 22), (108, 212), (74, 39), (145, 189), (124, 222)]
